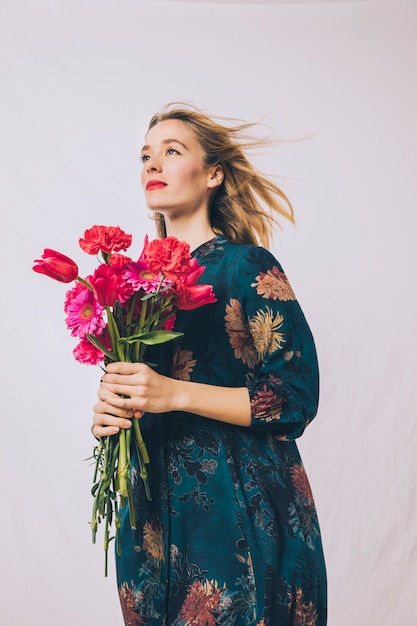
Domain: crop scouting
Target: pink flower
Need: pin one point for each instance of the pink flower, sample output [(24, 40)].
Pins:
[(139, 276), (84, 352), (73, 293), (84, 313)]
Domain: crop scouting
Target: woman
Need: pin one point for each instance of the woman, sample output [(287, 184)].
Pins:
[(231, 535)]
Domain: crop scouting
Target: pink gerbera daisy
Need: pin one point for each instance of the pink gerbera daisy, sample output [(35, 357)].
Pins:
[(140, 277), (84, 314)]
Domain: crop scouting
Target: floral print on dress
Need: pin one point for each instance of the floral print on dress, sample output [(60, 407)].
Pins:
[(266, 404), (264, 327), (152, 541), (129, 601), (304, 612), (239, 334), (202, 604), (301, 483), (231, 536), (273, 284), (182, 364)]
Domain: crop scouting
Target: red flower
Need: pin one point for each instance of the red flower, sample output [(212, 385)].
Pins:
[(118, 264), (105, 285), (194, 272), (188, 298), (57, 266), (169, 324), (169, 256), (120, 260), (108, 239)]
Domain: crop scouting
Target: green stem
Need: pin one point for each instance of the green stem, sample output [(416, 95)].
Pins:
[(106, 534), (113, 332), (143, 458), (117, 525), (131, 504), (131, 311), (85, 283), (140, 442), (122, 464), (141, 327)]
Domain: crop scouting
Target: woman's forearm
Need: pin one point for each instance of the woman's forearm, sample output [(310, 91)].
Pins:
[(225, 404)]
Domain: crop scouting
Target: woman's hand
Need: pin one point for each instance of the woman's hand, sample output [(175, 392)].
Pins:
[(146, 391)]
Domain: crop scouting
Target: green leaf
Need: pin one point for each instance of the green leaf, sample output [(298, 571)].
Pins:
[(154, 337), (100, 346), (112, 326)]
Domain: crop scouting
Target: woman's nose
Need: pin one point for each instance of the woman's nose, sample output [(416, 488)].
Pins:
[(153, 164)]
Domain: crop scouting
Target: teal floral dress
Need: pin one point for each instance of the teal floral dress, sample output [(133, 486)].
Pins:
[(231, 536)]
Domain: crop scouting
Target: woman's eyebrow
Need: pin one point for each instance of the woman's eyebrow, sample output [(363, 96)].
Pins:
[(165, 142)]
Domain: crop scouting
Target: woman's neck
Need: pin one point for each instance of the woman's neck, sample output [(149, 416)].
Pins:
[(194, 232)]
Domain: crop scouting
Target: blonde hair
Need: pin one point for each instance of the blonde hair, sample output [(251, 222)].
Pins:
[(245, 206)]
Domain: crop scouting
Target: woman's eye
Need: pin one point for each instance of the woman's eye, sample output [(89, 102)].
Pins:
[(172, 151), (144, 158)]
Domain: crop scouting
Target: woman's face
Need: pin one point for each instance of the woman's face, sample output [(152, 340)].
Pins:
[(175, 180)]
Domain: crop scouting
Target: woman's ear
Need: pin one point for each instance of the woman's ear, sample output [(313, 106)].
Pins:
[(216, 177)]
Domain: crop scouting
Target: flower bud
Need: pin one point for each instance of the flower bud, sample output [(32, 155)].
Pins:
[(56, 266)]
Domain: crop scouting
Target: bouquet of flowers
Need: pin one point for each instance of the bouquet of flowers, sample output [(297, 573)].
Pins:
[(116, 312)]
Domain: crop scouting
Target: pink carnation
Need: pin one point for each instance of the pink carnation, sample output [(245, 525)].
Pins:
[(84, 352), (73, 293)]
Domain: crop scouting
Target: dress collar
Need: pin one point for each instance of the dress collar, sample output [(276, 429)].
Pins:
[(206, 247)]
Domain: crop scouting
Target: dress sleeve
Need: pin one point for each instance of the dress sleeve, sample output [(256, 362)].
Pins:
[(283, 379)]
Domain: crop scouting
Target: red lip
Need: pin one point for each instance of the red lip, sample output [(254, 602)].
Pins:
[(154, 184)]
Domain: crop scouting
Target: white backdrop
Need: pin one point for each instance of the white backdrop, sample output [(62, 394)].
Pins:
[(79, 80)]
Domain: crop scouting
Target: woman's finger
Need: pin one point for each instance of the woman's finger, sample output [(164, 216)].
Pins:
[(121, 367), (104, 431), (113, 406)]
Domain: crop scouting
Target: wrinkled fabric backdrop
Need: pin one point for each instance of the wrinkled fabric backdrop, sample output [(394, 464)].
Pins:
[(337, 81)]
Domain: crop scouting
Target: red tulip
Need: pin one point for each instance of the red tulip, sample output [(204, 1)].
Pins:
[(188, 298), (194, 273), (56, 266), (105, 284)]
